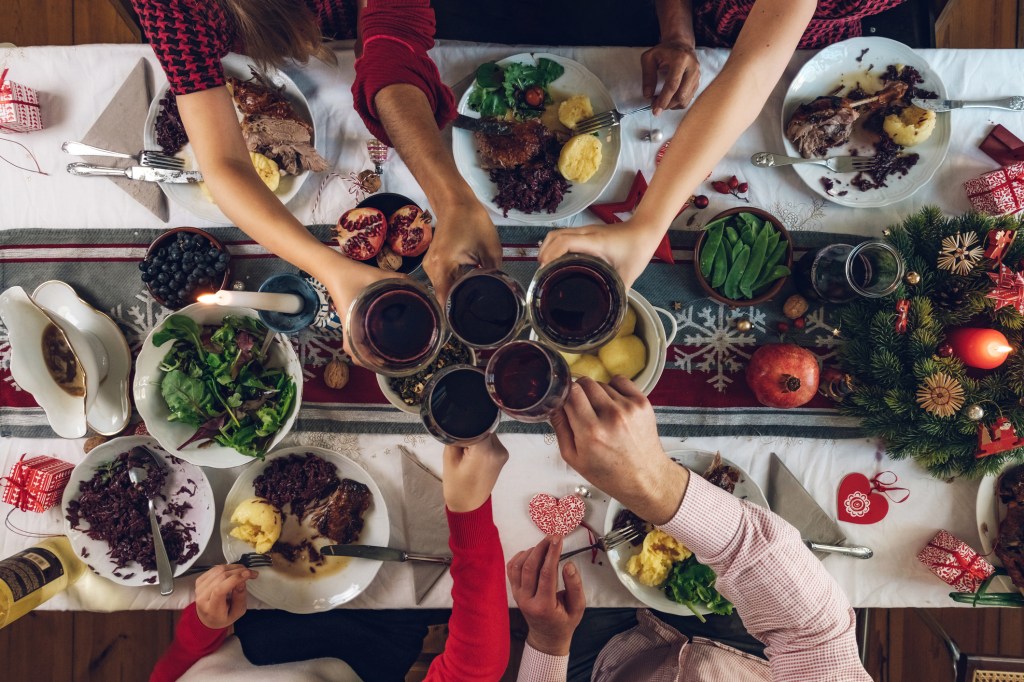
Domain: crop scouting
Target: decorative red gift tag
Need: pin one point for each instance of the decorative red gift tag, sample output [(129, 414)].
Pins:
[(864, 500), (557, 516), (37, 483), (1000, 192), (955, 562)]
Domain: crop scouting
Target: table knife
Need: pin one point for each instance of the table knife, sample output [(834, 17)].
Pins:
[(1008, 103), (381, 554), (483, 125), (790, 500), (142, 173)]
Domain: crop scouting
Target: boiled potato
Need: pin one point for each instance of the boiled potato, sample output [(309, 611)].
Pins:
[(570, 358), (580, 158), (625, 355), (575, 109), (267, 169), (628, 324), (911, 126), (589, 366)]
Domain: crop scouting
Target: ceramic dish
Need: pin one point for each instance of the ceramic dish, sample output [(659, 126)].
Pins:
[(151, 405), (312, 593), (577, 80), (190, 196), (387, 203), (838, 65), (393, 397), (180, 474), (172, 234), (990, 512), (697, 461)]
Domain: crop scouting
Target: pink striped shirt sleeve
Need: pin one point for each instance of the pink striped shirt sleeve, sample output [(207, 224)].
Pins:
[(540, 667)]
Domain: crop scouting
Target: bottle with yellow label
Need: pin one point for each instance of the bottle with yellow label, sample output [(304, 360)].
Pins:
[(32, 576)]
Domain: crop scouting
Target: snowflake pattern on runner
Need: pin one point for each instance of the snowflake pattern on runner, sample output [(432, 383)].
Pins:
[(5, 356), (138, 320), (316, 348)]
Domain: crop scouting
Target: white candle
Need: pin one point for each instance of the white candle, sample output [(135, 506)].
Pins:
[(280, 303)]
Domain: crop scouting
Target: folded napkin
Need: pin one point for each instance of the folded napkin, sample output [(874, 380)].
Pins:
[(119, 129), (426, 524)]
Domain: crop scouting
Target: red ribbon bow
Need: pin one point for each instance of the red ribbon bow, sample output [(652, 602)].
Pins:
[(26, 498), (887, 486)]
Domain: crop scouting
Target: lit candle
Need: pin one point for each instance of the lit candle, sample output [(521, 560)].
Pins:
[(981, 348), (280, 303)]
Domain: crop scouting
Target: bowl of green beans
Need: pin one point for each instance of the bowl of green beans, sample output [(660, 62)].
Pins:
[(743, 256)]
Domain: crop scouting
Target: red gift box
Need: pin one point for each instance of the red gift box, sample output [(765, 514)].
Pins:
[(36, 484), (955, 562), (1000, 192), (19, 107)]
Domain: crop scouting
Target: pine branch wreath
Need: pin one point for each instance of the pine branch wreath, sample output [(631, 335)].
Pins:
[(889, 369)]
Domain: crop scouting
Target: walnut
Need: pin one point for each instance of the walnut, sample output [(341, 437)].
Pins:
[(795, 306), (93, 442), (388, 260), (336, 374)]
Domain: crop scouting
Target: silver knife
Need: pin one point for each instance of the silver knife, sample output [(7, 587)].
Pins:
[(142, 173), (382, 554), (483, 125), (1008, 103), (790, 500)]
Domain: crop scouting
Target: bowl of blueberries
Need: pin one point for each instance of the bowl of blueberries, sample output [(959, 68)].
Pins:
[(183, 263)]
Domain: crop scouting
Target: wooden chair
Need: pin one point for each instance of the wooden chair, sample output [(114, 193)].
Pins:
[(131, 19), (975, 667)]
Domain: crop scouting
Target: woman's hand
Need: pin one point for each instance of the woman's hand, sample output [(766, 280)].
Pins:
[(676, 62), (470, 473), (552, 615), (626, 246), (465, 237), (220, 595)]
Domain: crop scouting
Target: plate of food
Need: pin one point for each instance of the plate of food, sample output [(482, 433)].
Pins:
[(291, 504), (1000, 512), (107, 516), (854, 99), (277, 126), (386, 230), (540, 172), (657, 569), (216, 387)]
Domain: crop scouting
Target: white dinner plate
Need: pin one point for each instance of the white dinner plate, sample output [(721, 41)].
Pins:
[(181, 474), (190, 196), (837, 65), (577, 80), (697, 461), (313, 593), (990, 512)]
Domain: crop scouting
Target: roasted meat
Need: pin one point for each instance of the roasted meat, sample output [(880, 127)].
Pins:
[(340, 516), (260, 97), (1010, 543), (522, 145), (722, 475), (283, 140), (820, 125)]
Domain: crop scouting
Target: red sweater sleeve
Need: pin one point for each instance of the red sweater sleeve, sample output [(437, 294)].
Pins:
[(396, 35), (192, 641), (478, 631)]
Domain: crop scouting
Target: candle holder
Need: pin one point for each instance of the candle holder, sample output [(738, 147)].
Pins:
[(290, 323)]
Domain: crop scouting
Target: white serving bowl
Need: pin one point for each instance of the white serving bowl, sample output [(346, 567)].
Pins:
[(393, 397)]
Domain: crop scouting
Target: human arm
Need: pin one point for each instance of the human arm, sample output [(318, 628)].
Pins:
[(713, 123), (674, 57)]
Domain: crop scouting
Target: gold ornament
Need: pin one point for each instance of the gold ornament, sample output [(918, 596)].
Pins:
[(941, 395), (886, 232), (913, 278), (959, 254), (837, 332), (975, 412), (744, 325)]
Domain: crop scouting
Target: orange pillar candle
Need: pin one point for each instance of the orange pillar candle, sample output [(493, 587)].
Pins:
[(980, 348)]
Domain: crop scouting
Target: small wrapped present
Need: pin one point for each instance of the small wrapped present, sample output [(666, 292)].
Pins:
[(37, 483), (1000, 192), (19, 107), (955, 562)]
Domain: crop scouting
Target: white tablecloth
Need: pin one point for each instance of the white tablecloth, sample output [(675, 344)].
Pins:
[(75, 85)]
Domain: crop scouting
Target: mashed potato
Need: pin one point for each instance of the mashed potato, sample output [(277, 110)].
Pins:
[(911, 126), (259, 523), (580, 158), (575, 109), (651, 566)]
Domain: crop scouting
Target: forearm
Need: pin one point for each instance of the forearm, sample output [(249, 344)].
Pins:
[(675, 21)]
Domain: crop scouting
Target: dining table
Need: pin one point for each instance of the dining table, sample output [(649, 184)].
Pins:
[(91, 234)]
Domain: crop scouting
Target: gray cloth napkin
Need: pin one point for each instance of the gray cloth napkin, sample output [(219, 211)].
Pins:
[(119, 129), (426, 525)]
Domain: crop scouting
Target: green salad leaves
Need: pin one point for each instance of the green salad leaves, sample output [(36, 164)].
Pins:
[(692, 583), (216, 379), (499, 90)]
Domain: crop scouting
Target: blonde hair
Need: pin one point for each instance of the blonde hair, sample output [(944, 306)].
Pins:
[(272, 31)]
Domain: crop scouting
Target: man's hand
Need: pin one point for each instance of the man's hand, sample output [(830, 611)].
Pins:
[(220, 595), (552, 615), (608, 434), (626, 246), (470, 473), (465, 236), (677, 63)]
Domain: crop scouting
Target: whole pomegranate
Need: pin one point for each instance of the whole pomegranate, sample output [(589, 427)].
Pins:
[(783, 375), (409, 231), (361, 232)]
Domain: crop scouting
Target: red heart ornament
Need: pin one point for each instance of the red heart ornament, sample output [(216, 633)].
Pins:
[(557, 516), (858, 502)]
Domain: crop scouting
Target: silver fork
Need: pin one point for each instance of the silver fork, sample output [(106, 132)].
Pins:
[(836, 164), (609, 542), (249, 560), (145, 158), (607, 119)]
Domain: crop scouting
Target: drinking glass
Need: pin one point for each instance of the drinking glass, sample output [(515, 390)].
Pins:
[(528, 380), (456, 407), (838, 273), (486, 308)]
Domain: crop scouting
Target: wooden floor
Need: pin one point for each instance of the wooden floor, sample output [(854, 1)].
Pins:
[(87, 647)]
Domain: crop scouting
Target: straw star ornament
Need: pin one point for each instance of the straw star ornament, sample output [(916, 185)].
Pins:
[(960, 252), (941, 395)]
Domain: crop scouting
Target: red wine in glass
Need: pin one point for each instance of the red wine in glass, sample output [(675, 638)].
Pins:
[(457, 408), (485, 308), (528, 380), (577, 302), (395, 327)]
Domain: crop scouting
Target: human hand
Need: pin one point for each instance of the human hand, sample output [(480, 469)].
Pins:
[(677, 62), (626, 246), (608, 433), (220, 595), (552, 615), (466, 236), (470, 473)]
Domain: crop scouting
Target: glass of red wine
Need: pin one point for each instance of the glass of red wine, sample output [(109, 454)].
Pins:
[(528, 380), (395, 327), (576, 303), (456, 407), (486, 308)]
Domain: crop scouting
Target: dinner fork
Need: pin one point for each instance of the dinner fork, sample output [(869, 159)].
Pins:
[(249, 560), (610, 541), (145, 158), (607, 119), (836, 164)]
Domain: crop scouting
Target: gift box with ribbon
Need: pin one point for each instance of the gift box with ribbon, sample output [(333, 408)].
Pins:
[(955, 562), (1000, 192), (19, 107), (37, 483)]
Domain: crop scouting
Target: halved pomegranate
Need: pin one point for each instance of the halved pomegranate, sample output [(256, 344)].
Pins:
[(409, 231), (361, 232)]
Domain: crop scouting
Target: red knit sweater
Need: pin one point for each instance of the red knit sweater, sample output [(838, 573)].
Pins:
[(478, 631)]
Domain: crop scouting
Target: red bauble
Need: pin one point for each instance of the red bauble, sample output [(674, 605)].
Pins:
[(783, 375), (945, 351)]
